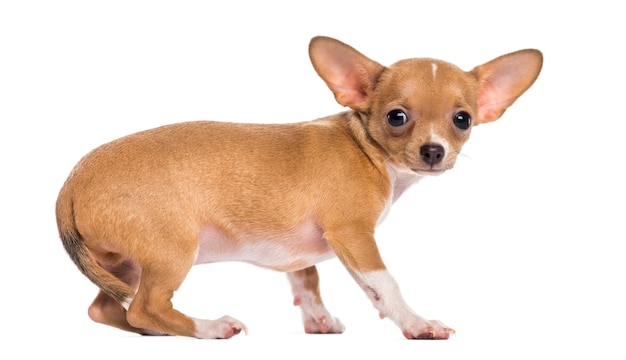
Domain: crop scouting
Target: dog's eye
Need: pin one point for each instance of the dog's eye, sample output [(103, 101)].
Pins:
[(397, 118), (462, 120)]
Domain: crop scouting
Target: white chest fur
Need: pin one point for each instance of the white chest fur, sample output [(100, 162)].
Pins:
[(400, 181)]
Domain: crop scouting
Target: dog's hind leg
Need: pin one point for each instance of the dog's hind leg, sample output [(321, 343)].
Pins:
[(106, 310), (152, 307), (305, 288)]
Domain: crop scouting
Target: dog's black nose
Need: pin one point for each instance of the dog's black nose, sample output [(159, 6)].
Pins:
[(432, 154)]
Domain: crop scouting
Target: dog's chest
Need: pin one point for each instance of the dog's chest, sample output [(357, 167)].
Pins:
[(289, 250), (400, 181)]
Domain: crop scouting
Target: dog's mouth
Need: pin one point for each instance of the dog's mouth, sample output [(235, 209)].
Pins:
[(428, 171)]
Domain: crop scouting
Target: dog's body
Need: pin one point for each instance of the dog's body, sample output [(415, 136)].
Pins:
[(137, 213)]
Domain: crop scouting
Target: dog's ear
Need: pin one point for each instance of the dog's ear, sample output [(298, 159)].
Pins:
[(349, 74), (503, 80)]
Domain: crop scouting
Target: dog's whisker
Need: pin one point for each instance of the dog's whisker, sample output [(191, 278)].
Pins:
[(461, 154)]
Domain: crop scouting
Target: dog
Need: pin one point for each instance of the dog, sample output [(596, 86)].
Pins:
[(137, 213)]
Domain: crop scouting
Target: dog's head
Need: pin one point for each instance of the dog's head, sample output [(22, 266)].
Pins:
[(421, 111)]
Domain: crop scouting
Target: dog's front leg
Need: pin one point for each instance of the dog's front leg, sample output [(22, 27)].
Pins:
[(359, 253), (306, 294), (385, 294)]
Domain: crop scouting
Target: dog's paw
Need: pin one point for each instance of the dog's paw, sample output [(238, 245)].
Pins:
[(315, 316), (222, 328), (317, 320), (428, 330), (324, 324)]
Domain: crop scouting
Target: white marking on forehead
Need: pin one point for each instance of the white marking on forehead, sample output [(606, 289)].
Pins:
[(434, 66)]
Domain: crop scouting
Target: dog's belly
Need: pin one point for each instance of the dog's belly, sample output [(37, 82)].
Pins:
[(289, 250)]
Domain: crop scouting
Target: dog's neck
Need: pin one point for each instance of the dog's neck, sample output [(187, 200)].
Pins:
[(356, 126), (400, 179)]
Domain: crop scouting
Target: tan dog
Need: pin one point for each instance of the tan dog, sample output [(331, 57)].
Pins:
[(135, 214)]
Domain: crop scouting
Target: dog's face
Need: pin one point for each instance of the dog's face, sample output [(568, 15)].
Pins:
[(421, 113)]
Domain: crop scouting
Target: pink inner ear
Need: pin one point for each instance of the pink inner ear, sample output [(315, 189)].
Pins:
[(356, 83), (350, 97), (492, 101), (503, 80), (349, 74)]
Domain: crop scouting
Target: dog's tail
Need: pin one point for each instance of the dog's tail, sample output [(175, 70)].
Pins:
[(79, 253)]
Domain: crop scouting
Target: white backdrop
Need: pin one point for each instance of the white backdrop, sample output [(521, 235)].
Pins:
[(518, 248)]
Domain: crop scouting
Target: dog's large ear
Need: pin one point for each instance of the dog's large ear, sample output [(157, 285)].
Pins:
[(503, 80), (349, 74)]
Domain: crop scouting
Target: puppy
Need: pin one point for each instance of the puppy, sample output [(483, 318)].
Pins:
[(135, 214)]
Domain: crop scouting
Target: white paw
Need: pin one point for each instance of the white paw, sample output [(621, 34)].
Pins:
[(428, 330), (222, 328), (324, 324)]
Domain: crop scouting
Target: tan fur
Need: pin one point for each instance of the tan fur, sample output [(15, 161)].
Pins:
[(132, 211), (311, 281)]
